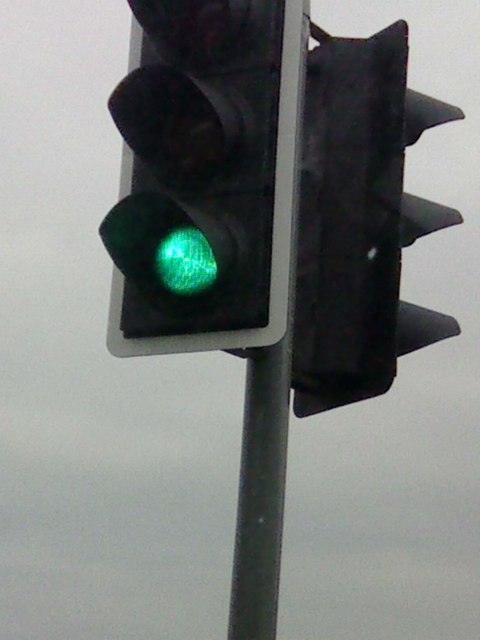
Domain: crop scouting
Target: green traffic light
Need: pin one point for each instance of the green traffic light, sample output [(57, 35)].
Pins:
[(185, 262)]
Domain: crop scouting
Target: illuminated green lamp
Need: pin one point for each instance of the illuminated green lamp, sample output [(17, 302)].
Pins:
[(185, 262)]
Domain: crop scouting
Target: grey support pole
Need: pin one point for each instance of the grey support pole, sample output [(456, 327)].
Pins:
[(256, 569), (261, 497)]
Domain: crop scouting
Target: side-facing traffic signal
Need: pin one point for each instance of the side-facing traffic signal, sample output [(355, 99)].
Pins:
[(349, 324), (202, 237)]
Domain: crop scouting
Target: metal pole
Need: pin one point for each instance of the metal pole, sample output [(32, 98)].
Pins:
[(256, 568), (261, 495)]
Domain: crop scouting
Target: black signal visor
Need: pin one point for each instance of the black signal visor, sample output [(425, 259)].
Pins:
[(186, 135)]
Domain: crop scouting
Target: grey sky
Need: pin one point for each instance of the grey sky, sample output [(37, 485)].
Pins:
[(118, 479)]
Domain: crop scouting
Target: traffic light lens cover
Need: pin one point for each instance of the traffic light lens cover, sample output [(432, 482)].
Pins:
[(185, 262)]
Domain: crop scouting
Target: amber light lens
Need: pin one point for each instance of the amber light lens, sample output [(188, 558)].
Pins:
[(187, 134), (194, 146)]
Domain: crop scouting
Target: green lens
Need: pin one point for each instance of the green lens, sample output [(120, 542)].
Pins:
[(185, 262)]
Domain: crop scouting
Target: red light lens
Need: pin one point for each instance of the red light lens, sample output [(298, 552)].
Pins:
[(192, 32), (205, 28)]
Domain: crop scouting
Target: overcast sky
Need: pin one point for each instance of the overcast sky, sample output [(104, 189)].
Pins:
[(119, 477)]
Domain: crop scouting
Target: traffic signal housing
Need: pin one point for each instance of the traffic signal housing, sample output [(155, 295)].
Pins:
[(354, 219), (201, 239)]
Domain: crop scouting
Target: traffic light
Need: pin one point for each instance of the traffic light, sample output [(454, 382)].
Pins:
[(354, 218), (201, 238)]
